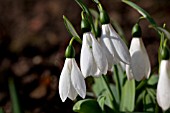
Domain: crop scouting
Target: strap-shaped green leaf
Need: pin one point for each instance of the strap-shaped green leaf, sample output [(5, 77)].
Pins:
[(14, 97), (153, 80), (70, 27), (141, 11), (1, 110), (96, 1), (128, 96), (101, 100)]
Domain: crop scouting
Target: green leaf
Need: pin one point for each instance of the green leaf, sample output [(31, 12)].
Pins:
[(83, 6), (14, 97), (100, 88), (148, 104), (118, 76), (153, 80), (115, 92), (87, 106), (140, 97), (96, 1), (101, 100), (166, 32), (141, 11), (1, 110), (70, 27), (152, 94), (128, 96)]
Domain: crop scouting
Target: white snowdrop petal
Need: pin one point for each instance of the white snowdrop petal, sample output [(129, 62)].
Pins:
[(147, 61), (72, 92), (107, 45), (163, 88), (140, 63), (106, 41), (64, 82), (119, 45), (99, 56), (87, 64), (77, 80)]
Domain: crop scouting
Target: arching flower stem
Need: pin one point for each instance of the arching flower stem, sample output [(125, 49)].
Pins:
[(75, 38)]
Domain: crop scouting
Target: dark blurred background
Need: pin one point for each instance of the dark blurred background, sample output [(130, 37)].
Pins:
[(33, 39)]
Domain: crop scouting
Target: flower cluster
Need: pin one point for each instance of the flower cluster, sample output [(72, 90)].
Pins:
[(100, 51), (98, 56)]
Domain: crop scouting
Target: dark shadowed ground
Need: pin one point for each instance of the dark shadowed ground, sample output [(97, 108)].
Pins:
[(33, 39)]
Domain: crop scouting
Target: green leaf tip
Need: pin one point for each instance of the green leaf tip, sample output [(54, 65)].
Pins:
[(70, 27)]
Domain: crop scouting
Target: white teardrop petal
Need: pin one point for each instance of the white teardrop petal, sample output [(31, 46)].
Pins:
[(119, 45), (64, 82), (72, 92), (163, 88), (87, 64), (105, 39), (138, 67), (140, 63), (78, 80), (99, 56), (147, 61), (107, 45)]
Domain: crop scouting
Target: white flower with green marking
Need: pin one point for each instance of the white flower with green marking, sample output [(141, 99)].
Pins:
[(71, 81), (93, 61)]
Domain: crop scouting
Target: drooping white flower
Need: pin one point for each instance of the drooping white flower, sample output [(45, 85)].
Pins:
[(163, 87), (71, 81), (115, 49), (93, 61), (140, 65)]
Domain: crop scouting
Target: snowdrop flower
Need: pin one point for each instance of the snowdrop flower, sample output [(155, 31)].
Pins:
[(163, 87), (92, 60), (115, 48), (71, 81), (140, 65)]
